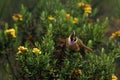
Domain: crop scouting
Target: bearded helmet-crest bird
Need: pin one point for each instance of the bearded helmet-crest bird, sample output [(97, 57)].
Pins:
[(74, 44)]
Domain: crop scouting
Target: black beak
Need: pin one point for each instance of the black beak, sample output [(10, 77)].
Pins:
[(73, 36)]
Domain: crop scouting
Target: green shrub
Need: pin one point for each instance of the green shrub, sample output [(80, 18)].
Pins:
[(36, 37)]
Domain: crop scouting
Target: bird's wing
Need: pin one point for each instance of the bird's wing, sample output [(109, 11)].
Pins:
[(81, 44)]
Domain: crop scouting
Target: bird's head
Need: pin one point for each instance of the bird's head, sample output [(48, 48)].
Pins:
[(72, 38)]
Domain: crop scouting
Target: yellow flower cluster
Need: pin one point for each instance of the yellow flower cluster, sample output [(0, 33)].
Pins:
[(17, 17), (114, 77), (68, 16), (22, 49), (11, 32), (81, 4), (87, 7), (51, 18), (36, 50), (115, 34), (75, 20)]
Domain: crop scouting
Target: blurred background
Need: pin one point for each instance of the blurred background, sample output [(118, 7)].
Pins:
[(105, 8)]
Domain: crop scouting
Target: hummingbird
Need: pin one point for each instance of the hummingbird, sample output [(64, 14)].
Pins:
[(73, 43)]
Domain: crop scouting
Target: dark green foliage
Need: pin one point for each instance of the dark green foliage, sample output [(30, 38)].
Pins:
[(37, 31)]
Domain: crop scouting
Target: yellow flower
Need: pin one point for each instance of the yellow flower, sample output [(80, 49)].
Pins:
[(75, 20), (36, 50), (17, 17), (51, 18), (68, 16), (87, 9), (81, 4), (22, 49), (11, 32), (113, 36), (114, 77), (117, 33)]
